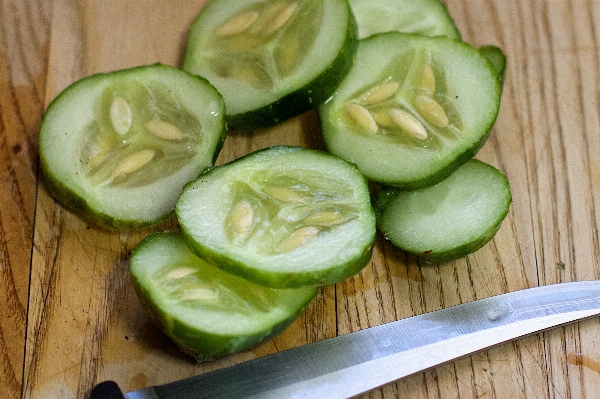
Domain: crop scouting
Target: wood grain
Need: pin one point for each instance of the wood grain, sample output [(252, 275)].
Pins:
[(23, 53), (69, 317)]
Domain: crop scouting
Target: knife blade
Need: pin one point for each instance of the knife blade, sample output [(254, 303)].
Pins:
[(355, 363)]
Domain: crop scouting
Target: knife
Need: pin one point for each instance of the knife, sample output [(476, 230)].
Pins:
[(358, 362)]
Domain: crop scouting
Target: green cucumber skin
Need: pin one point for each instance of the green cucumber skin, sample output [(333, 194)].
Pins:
[(446, 170), (75, 203), (205, 347), (388, 193), (308, 97), (202, 345), (334, 274)]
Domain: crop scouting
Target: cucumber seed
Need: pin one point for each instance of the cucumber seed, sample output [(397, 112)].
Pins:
[(178, 273), (408, 123), (298, 238), (379, 93), (120, 115), (426, 80), (242, 218), (281, 18), (238, 24), (132, 163), (361, 117), (325, 218), (283, 194), (164, 130), (431, 110)]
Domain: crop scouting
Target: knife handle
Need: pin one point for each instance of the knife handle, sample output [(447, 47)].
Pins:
[(107, 390)]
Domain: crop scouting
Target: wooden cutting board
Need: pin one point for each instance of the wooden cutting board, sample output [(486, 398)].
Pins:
[(69, 317)]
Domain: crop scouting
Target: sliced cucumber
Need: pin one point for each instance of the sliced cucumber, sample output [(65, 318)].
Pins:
[(117, 148), (412, 109), (281, 217), (205, 311), (271, 60), (425, 17), (497, 58), (449, 220)]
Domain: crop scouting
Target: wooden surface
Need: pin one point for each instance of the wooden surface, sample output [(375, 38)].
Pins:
[(69, 317)]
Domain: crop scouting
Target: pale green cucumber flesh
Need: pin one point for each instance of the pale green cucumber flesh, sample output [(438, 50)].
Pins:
[(205, 311), (281, 217), (269, 75), (117, 148), (450, 74), (449, 220), (425, 17)]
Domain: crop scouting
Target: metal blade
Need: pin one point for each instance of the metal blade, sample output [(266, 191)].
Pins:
[(355, 363)]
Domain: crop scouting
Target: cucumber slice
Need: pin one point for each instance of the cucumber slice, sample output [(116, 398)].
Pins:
[(205, 311), (281, 217), (496, 57), (117, 148), (425, 17), (449, 220), (271, 60), (412, 109)]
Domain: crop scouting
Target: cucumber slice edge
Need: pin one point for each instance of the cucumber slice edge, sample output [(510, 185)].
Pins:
[(346, 259), (299, 98), (70, 188), (335, 142), (192, 334), (443, 252)]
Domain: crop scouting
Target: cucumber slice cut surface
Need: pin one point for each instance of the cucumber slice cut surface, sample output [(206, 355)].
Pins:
[(205, 311), (425, 17), (281, 217), (412, 109), (271, 60), (117, 148), (450, 219)]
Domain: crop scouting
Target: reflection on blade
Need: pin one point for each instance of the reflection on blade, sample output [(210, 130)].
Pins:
[(354, 363)]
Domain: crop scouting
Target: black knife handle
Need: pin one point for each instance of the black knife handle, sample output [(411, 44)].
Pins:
[(107, 390)]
